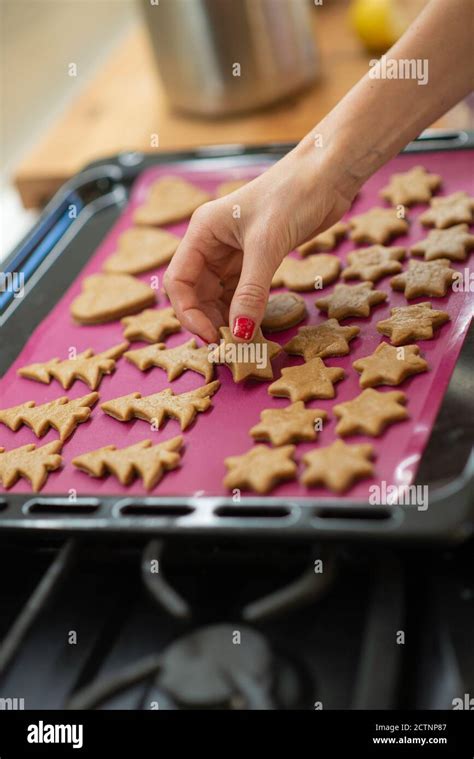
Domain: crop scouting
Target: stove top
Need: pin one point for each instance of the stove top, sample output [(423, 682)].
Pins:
[(239, 626)]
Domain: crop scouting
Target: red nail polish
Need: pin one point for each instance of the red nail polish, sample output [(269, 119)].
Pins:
[(243, 327)]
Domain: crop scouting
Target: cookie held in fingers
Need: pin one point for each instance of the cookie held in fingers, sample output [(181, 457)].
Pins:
[(370, 412), (326, 240), (371, 264), (313, 273), (170, 199), (408, 323), (338, 466), (312, 379), (89, 367), (292, 424), (457, 208), (431, 278), (260, 469), (321, 341), (453, 243), (351, 300), (158, 407), (106, 297), (377, 226), (62, 414), (389, 365), (33, 463), (143, 459), (246, 360), (410, 187), (141, 249), (151, 325), (283, 311), (175, 361)]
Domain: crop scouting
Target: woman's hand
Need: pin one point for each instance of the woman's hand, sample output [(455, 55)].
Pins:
[(222, 270)]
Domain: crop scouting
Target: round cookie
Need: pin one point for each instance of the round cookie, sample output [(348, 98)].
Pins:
[(283, 311)]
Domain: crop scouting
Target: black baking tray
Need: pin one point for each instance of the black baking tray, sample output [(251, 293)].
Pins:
[(54, 253)]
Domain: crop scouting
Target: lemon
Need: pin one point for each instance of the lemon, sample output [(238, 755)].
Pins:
[(375, 24)]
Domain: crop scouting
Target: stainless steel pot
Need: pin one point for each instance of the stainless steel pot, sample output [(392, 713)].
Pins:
[(217, 57)]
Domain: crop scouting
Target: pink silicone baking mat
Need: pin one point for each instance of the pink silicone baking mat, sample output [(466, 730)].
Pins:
[(223, 430)]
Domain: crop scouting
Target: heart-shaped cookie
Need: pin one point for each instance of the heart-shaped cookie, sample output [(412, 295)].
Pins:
[(106, 297)]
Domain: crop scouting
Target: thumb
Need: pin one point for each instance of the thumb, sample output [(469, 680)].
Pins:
[(251, 295)]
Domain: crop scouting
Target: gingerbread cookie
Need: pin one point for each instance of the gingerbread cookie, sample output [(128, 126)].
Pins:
[(412, 323), (338, 466), (371, 264), (140, 250), (150, 462), (388, 365), (370, 412), (158, 407), (323, 340), (410, 187), (431, 278), (151, 325), (453, 243), (313, 273), (283, 311), (225, 188), (170, 199), (174, 360), (88, 367), (326, 240), (63, 414), (250, 360), (30, 462), (351, 300), (306, 381), (292, 424), (378, 226), (457, 208), (260, 469), (106, 297)]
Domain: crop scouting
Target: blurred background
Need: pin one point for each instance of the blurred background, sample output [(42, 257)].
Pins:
[(83, 79)]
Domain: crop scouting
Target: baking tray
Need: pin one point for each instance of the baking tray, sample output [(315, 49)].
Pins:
[(54, 253)]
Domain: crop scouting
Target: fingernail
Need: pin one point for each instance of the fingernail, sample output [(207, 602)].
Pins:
[(243, 327)]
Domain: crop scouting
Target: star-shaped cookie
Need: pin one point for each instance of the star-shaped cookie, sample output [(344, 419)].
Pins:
[(261, 468), (431, 278), (371, 264), (89, 367), (416, 322), (326, 240), (150, 462), (323, 340), (370, 412), (151, 325), (313, 273), (338, 465), (158, 407), (250, 360), (453, 243), (410, 187), (457, 208), (292, 424), (378, 225), (351, 300), (170, 199), (33, 463), (388, 365), (174, 360), (312, 379)]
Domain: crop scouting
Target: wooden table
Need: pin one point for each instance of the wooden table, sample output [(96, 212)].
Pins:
[(125, 105)]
